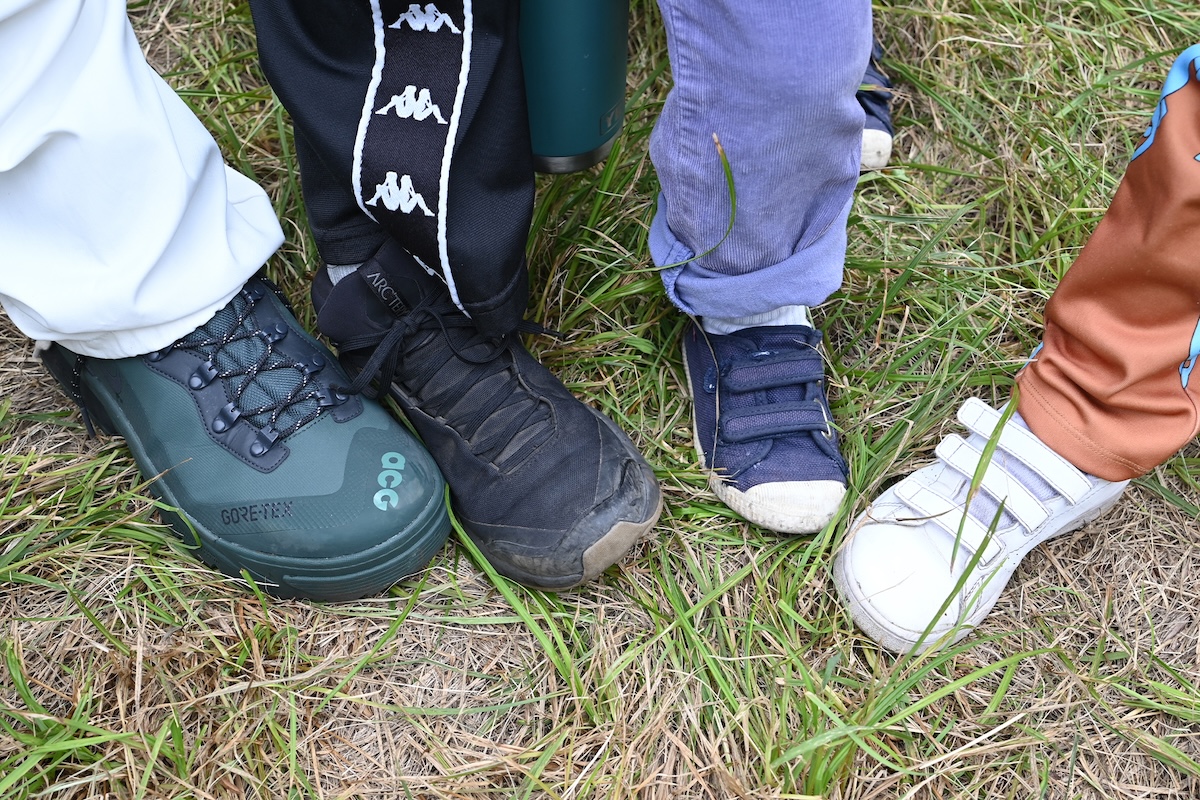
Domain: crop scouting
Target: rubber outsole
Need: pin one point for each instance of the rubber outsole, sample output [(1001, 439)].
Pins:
[(781, 520)]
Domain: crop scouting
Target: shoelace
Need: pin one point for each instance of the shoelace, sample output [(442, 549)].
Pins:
[(269, 434), (267, 414), (408, 349)]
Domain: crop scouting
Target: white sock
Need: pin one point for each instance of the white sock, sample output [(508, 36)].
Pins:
[(784, 315), (339, 271)]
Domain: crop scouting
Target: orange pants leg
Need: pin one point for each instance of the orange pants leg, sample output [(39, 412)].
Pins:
[(1112, 389)]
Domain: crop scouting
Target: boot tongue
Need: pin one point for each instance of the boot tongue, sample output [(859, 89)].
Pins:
[(388, 285), (348, 309), (398, 293), (397, 280)]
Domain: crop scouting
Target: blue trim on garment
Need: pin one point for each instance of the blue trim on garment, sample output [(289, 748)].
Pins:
[(1034, 354), (1185, 369), (1177, 78)]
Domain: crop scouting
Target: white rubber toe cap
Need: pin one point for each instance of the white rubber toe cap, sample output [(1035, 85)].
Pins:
[(785, 506), (876, 148), (895, 576)]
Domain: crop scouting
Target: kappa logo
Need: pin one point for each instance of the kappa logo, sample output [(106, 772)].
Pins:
[(397, 192), (411, 104), (389, 479), (427, 19)]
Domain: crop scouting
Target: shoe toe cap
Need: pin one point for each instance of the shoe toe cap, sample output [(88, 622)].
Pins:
[(876, 148), (586, 545), (785, 506), (895, 577)]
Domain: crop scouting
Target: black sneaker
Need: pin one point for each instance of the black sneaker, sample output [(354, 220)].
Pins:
[(550, 490), (875, 97), (314, 492)]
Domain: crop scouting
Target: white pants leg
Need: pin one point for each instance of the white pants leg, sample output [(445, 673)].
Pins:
[(121, 229)]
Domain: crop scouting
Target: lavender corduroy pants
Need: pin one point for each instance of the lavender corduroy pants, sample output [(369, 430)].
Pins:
[(775, 81)]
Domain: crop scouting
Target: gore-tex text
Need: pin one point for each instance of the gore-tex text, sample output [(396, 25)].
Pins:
[(256, 513)]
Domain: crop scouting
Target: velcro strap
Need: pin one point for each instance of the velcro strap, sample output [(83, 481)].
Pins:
[(1017, 500), (773, 370), (1069, 482), (773, 420), (949, 515)]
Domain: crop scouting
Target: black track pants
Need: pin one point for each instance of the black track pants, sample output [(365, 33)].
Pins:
[(411, 124)]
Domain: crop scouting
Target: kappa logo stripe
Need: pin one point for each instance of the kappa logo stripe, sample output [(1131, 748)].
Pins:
[(368, 105), (444, 184), (410, 121)]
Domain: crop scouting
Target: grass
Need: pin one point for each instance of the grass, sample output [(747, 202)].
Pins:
[(715, 661)]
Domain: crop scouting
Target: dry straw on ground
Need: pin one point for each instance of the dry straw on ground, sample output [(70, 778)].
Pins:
[(714, 662)]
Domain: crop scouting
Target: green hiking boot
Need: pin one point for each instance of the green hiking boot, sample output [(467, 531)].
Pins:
[(275, 471)]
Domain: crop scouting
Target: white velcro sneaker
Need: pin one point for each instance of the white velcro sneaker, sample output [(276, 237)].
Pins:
[(928, 560)]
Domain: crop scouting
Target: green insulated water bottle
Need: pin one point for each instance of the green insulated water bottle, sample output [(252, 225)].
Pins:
[(574, 55)]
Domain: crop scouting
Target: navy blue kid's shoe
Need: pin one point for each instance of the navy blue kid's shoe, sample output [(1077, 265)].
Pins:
[(762, 424), (874, 97)]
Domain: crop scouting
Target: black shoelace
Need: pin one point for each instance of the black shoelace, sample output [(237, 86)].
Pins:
[(460, 376), (257, 371)]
